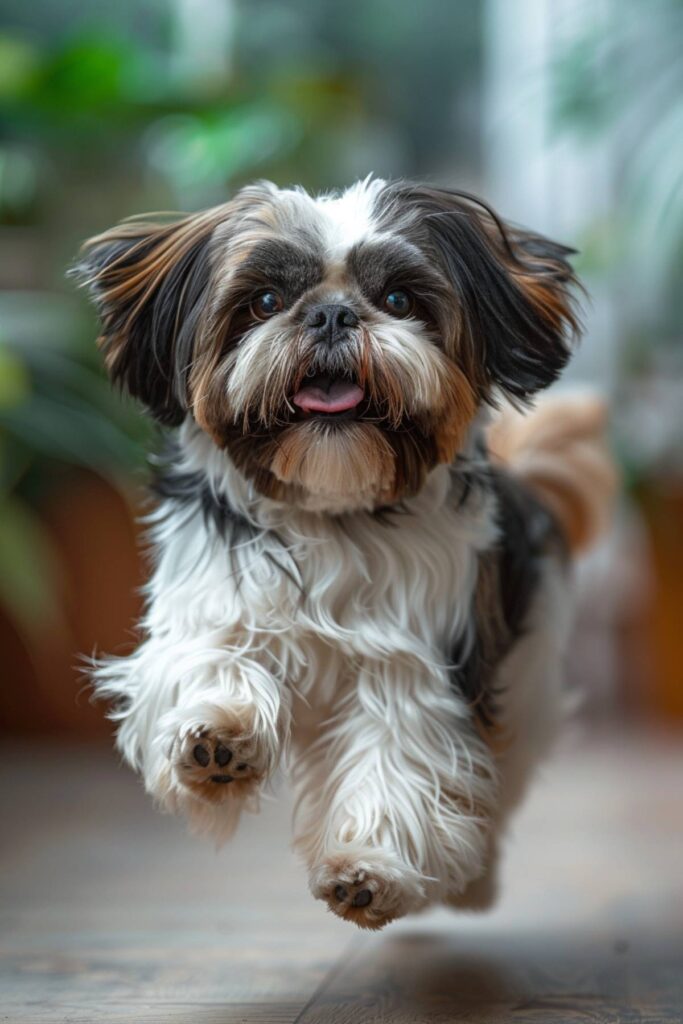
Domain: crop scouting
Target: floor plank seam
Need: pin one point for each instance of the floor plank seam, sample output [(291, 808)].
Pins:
[(351, 953)]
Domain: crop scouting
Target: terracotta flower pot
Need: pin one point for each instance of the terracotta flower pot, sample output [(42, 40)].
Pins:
[(96, 539)]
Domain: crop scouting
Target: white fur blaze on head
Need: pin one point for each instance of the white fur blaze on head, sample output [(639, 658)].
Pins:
[(349, 218)]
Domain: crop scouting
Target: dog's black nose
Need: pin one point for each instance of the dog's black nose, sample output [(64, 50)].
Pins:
[(330, 321)]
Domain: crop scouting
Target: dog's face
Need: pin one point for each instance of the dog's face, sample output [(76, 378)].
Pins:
[(338, 347)]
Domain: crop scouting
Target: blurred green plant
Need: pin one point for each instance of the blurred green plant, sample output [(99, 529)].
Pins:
[(97, 97), (55, 410)]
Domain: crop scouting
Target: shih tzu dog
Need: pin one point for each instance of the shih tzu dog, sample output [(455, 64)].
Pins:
[(353, 571)]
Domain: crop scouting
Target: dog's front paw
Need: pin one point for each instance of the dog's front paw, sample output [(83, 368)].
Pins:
[(221, 759), (370, 889)]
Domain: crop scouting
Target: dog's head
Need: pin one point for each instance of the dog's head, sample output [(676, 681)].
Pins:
[(336, 347)]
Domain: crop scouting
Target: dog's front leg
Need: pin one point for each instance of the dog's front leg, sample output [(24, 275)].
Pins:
[(204, 721), (397, 792)]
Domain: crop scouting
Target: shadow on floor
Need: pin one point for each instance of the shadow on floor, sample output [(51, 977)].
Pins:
[(489, 978)]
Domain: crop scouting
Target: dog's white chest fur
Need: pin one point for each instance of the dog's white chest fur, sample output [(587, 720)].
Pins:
[(310, 592)]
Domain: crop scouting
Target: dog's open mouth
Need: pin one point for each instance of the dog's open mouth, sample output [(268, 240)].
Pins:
[(326, 395)]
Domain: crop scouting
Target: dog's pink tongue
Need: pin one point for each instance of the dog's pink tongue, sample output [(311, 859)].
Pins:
[(338, 397)]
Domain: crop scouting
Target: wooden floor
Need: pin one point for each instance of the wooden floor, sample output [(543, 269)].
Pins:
[(111, 913)]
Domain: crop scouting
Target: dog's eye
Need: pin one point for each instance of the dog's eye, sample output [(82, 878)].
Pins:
[(398, 302), (266, 304)]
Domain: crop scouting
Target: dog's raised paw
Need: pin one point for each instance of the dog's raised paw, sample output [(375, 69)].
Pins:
[(217, 764), (368, 891)]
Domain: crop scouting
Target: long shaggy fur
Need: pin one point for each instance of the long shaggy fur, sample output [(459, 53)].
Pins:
[(343, 581)]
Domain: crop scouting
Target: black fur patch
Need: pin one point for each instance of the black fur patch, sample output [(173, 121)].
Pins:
[(193, 492), (377, 266), (280, 264), (509, 575)]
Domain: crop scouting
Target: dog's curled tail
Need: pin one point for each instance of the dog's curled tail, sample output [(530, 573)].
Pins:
[(559, 450)]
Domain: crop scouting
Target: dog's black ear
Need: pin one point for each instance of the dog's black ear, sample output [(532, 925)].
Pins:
[(150, 282), (515, 290)]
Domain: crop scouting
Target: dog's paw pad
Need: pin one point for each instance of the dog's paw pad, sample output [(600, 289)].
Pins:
[(201, 755), (222, 755), (210, 763), (354, 897), (360, 891)]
